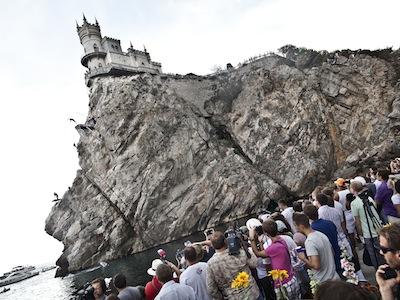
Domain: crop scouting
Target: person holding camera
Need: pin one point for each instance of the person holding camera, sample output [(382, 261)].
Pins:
[(278, 252), (223, 268), (99, 289), (388, 276)]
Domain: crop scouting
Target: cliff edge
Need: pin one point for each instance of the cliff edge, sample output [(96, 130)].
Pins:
[(164, 156)]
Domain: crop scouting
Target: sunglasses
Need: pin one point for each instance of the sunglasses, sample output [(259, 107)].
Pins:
[(386, 250)]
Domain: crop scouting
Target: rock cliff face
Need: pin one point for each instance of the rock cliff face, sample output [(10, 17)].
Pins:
[(164, 156)]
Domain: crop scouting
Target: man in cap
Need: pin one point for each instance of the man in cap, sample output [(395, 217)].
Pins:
[(341, 190), (153, 287), (196, 273)]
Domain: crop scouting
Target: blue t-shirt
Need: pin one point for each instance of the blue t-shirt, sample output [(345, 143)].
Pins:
[(329, 229)]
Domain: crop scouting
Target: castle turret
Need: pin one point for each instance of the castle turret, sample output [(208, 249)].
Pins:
[(91, 40)]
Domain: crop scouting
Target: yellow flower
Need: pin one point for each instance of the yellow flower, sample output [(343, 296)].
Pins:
[(274, 274), (241, 281), (278, 274), (283, 274)]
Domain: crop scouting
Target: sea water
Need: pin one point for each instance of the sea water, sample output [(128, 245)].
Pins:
[(134, 267)]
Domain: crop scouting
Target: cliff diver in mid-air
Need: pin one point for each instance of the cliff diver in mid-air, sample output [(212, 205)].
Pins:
[(57, 199)]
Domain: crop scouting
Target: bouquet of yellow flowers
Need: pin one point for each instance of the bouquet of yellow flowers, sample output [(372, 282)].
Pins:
[(279, 276)]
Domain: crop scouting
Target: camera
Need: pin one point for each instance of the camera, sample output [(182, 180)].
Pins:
[(389, 273), (233, 239)]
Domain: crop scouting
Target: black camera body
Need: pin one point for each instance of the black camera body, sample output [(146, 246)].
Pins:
[(233, 239), (389, 273)]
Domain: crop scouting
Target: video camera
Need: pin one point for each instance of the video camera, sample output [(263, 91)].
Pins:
[(235, 241)]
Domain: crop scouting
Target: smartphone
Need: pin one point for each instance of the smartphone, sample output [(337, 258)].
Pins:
[(389, 273)]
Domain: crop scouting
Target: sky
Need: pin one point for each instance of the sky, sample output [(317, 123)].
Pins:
[(42, 83)]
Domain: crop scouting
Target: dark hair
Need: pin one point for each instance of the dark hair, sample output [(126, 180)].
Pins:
[(340, 290), (397, 186), (102, 283), (190, 254), (383, 173), (301, 219), (391, 233), (218, 240), (112, 297), (297, 206), (142, 291), (327, 191), (311, 212), (119, 281), (283, 201), (278, 216), (164, 273), (322, 199), (356, 186), (270, 228)]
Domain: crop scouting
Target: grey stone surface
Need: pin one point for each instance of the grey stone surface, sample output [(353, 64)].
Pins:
[(172, 155)]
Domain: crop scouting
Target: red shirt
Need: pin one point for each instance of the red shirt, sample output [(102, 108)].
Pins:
[(152, 288)]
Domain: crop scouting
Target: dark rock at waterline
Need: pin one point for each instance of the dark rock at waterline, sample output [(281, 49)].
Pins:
[(171, 155)]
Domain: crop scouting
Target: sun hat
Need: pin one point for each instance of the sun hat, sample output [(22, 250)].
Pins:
[(154, 264), (359, 179), (253, 223)]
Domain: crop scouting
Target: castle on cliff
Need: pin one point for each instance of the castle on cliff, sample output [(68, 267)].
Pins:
[(103, 55)]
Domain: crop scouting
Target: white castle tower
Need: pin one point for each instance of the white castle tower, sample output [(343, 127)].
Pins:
[(103, 55)]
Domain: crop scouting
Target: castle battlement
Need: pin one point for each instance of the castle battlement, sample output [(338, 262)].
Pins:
[(104, 55)]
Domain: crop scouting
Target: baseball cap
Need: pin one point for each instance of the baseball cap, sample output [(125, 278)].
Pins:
[(340, 182), (359, 179)]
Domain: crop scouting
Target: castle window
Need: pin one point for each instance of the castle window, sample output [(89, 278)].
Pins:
[(100, 65), (95, 48)]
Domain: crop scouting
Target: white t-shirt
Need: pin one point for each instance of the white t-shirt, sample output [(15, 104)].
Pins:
[(338, 206), (326, 212), (396, 199), (288, 214), (342, 197), (195, 277), (350, 223)]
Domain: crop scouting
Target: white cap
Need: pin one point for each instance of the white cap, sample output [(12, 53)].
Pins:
[(359, 179), (154, 264), (253, 223)]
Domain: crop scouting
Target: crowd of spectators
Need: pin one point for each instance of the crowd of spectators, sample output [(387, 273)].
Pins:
[(306, 249)]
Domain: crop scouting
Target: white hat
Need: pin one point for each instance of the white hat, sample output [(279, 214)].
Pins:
[(359, 179), (253, 223), (154, 264), (281, 226), (264, 217)]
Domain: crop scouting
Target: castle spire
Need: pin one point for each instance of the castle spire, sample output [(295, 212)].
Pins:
[(77, 25), (84, 18), (97, 23), (145, 50), (130, 42)]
